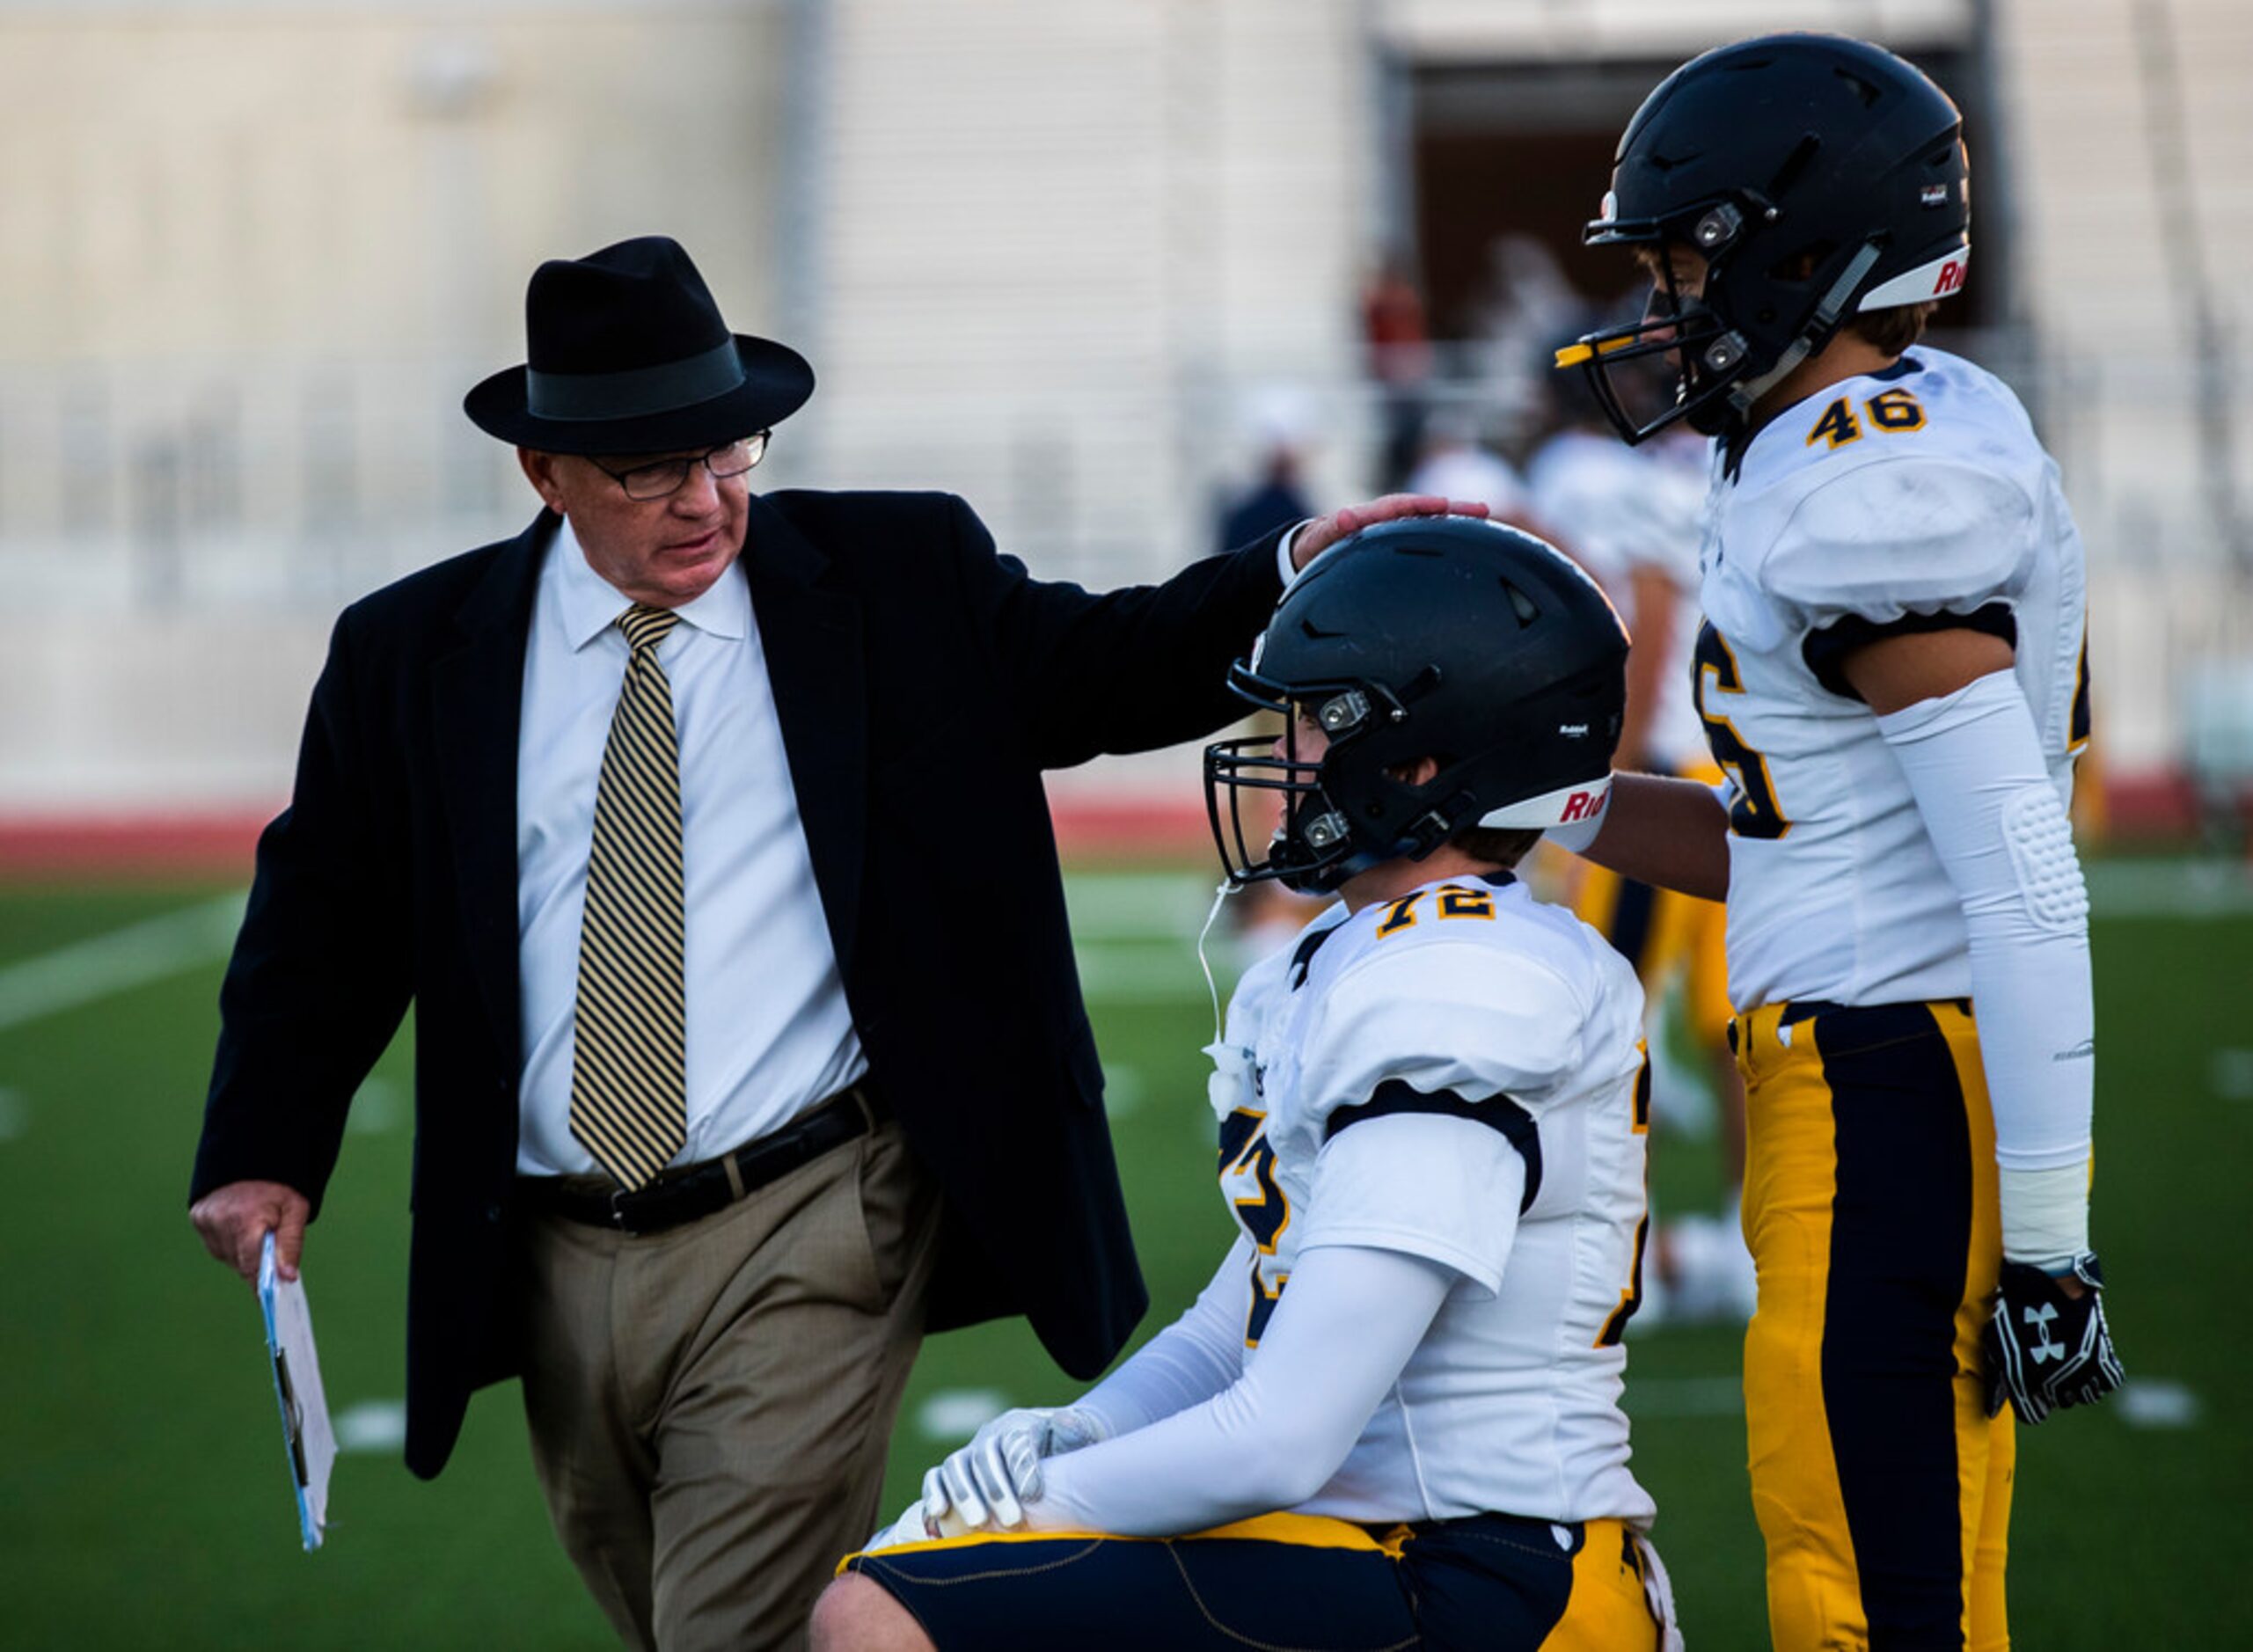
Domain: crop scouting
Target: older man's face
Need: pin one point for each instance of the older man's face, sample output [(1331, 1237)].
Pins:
[(662, 552)]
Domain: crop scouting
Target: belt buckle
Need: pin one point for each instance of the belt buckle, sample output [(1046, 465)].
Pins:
[(621, 1217)]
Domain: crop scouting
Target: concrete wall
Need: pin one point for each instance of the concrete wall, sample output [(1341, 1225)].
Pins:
[(2132, 141), (1043, 252), (253, 254)]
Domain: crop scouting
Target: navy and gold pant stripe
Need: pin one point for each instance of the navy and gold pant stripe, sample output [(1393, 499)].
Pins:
[(1882, 1488), (1282, 1580)]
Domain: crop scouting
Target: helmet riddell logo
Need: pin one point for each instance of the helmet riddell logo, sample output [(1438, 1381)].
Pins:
[(1950, 277), (1584, 805)]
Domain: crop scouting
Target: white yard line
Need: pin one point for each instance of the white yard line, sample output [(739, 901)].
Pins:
[(87, 971), (1140, 975), (1106, 907), (1118, 906), (373, 1425), (953, 1414), (2153, 1402), (2205, 889), (1138, 905)]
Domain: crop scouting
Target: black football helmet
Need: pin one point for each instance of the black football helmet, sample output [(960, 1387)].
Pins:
[(1443, 637), (1816, 176)]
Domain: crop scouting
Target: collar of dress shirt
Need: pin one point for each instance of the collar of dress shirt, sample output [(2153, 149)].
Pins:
[(592, 603)]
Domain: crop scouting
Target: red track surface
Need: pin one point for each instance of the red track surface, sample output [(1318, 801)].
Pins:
[(219, 843)]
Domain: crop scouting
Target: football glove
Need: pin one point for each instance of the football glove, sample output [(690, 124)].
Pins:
[(985, 1485), (2046, 1350)]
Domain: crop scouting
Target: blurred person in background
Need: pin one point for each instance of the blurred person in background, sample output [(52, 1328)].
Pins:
[(1282, 427), (676, 819), (1892, 670), (1632, 518), (1524, 299), (1397, 336), (1455, 454), (1393, 1417)]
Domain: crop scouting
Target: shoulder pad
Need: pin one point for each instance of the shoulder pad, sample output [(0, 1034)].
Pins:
[(1913, 533), (1442, 1014)]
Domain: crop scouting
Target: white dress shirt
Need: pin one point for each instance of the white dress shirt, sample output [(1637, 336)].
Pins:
[(769, 1034)]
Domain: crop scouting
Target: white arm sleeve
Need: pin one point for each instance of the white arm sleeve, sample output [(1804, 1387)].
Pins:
[(1336, 1343), (1191, 1360), (1975, 766)]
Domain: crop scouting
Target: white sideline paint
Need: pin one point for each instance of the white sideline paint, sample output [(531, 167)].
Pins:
[(2199, 888), (1106, 908), (373, 1425), (2231, 1072), (1140, 975), (2147, 1402), (1129, 905), (378, 1109), (1123, 906), (956, 1414), (1123, 1089), (88, 971)]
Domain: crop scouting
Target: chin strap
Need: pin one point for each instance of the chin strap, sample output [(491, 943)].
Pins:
[(1219, 896), (1744, 392)]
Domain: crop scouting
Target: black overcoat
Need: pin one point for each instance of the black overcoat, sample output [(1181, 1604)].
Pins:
[(922, 684)]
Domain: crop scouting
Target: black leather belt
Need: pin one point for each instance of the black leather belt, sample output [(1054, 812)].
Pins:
[(697, 1190)]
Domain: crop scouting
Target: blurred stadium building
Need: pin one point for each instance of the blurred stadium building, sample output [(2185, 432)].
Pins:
[(1042, 252)]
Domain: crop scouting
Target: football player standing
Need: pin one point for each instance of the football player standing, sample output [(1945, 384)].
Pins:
[(1391, 1419), (1892, 673)]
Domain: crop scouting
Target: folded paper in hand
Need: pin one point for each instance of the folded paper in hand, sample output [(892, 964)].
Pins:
[(298, 1384)]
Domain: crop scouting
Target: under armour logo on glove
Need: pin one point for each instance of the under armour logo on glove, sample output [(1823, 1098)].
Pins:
[(2044, 1348), (2036, 1373)]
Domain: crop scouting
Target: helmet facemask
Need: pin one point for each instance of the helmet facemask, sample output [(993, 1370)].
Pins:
[(1723, 363), (1314, 847)]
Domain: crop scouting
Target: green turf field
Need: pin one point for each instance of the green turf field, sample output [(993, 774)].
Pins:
[(145, 1503)]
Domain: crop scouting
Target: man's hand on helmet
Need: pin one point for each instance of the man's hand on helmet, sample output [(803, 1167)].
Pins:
[(1311, 538)]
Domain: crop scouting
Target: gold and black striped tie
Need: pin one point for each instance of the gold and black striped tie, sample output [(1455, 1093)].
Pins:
[(628, 1070)]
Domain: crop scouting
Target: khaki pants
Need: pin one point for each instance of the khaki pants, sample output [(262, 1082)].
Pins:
[(709, 1407)]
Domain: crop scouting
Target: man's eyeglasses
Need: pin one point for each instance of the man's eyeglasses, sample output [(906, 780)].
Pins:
[(661, 477)]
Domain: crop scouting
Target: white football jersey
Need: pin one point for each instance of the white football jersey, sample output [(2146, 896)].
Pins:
[(1617, 510), (1880, 502), (1477, 1035)]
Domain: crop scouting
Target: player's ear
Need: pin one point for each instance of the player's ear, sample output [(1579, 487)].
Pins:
[(1417, 773)]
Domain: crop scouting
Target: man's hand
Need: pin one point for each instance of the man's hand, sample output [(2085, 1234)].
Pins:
[(1320, 535), (985, 1485), (2047, 1344), (234, 1220)]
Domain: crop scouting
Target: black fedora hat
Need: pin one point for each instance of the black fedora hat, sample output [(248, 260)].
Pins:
[(627, 353)]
